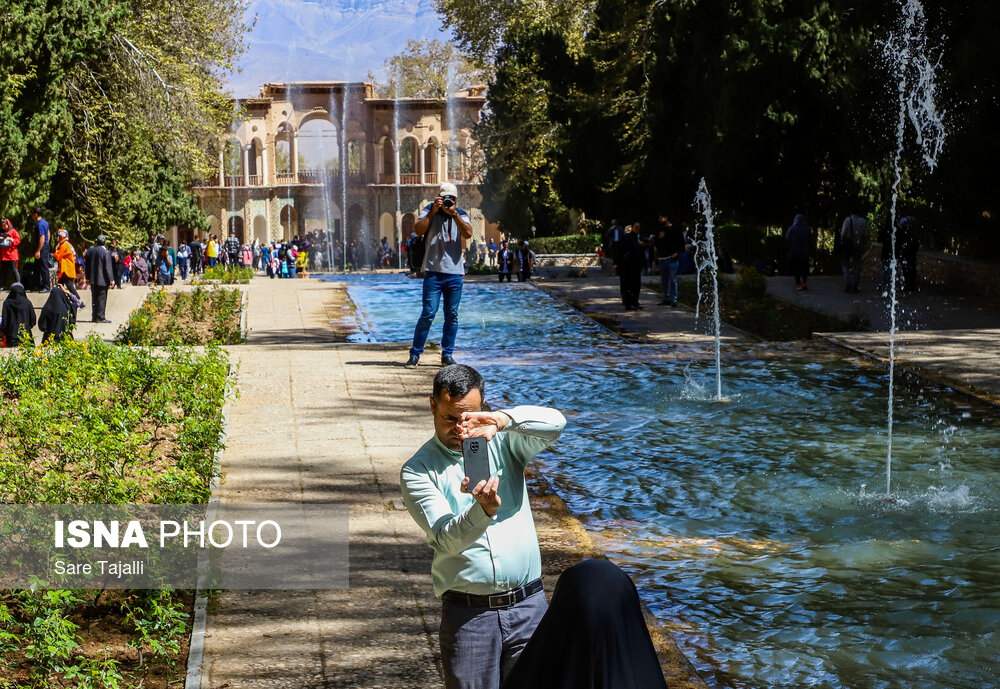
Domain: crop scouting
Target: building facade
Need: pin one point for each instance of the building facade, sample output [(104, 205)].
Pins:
[(334, 156)]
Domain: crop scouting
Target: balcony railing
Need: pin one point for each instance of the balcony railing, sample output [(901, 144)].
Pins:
[(256, 180), (234, 180), (430, 177), (285, 177)]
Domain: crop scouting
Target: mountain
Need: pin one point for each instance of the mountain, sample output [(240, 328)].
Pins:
[(329, 40)]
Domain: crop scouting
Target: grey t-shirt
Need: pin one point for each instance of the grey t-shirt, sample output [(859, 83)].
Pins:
[(443, 242)]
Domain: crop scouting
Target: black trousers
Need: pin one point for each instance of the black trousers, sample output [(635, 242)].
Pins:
[(99, 301), (800, 269), (504, 275), (70, 285), (630, 284)]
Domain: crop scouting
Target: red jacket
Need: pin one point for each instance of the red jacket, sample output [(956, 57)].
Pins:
[(9, 253)]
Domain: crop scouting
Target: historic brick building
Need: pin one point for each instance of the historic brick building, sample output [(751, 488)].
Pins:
[(305, 155)]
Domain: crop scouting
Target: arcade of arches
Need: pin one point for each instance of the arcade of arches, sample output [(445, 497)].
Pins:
[(308, 150)]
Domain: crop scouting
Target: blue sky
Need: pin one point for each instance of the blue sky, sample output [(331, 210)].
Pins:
[(329, 40)]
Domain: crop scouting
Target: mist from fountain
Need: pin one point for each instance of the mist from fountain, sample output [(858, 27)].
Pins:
[(345, 104), (706, 259), (398, 218), (908, 54)]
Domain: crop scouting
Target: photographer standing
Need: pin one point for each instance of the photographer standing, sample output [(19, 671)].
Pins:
[(443, 225)]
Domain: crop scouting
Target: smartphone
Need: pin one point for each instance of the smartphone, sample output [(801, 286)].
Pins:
[(477, 460)]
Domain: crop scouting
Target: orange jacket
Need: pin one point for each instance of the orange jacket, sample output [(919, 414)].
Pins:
[(66, 260)]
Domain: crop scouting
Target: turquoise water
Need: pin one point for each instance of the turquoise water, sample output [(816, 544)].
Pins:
[(759, 528)]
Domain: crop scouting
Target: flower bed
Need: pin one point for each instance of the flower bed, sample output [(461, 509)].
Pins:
[(89, 422), (201, 316)]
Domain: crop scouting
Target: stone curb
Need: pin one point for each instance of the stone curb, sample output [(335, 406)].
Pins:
[(196, 649)]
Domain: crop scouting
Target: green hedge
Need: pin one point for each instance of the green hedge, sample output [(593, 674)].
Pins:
[(567, 244)]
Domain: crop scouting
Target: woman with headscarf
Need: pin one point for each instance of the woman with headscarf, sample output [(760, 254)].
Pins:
[(17, 313), (58, 314), (138, 270), (593, 635), (66, 262)]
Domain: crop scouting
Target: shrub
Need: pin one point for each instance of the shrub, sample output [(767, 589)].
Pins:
[(750, 285), (200, 316), (225, 275), (567, 244)]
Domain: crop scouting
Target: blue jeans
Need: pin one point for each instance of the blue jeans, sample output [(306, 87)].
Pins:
[(668, 278), (436, 285), (479, 646)]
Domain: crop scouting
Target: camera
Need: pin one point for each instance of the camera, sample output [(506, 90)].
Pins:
[(447, 201)]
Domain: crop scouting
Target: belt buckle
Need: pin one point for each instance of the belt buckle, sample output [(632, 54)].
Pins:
[(501, 600)]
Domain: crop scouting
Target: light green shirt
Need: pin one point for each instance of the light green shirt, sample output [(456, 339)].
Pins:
[(473, 552)]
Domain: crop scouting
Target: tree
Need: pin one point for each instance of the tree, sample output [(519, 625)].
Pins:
[(429, 69), (131, 110)]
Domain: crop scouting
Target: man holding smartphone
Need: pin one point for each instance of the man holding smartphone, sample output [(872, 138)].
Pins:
[(487, 565)]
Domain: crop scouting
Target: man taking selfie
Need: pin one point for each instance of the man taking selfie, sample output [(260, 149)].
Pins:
[(444, 226), (487, 566)]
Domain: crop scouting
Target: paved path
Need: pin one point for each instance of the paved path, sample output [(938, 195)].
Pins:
[(917, 310), (600, 298), (322, 420)]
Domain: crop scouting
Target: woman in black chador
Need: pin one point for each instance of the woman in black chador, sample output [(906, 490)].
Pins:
[(58, 314), (593, 636), (17, 312)]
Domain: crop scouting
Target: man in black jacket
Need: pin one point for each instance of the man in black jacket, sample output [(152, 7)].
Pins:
[(100, 275)]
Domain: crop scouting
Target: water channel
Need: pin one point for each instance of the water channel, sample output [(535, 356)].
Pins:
[(759, 528)]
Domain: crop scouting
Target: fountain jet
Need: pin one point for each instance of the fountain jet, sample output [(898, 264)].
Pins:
[(908, 54)]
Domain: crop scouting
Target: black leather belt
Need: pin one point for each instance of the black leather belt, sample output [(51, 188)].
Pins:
[(494, 601)]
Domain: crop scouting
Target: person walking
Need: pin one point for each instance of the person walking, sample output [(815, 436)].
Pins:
[(212, 251), (798, 242), (853, 244), (10, 239), (444, 225), (43, 255), (66, 263), (669, 247), (232, 249), (525, 261), (117, 263), (163, 267), (486, 565), (505, 261), (101, 276), (183, 259), (628, 264)]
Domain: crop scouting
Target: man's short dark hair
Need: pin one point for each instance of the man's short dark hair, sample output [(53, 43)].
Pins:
[(458, 380), (37, 211)]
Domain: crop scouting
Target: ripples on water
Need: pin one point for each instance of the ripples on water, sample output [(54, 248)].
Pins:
[(760, 525)]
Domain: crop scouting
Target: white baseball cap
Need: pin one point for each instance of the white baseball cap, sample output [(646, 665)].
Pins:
[(448, 189)]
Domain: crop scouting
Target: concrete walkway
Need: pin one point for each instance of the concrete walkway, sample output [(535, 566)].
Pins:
[(320, 420)]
